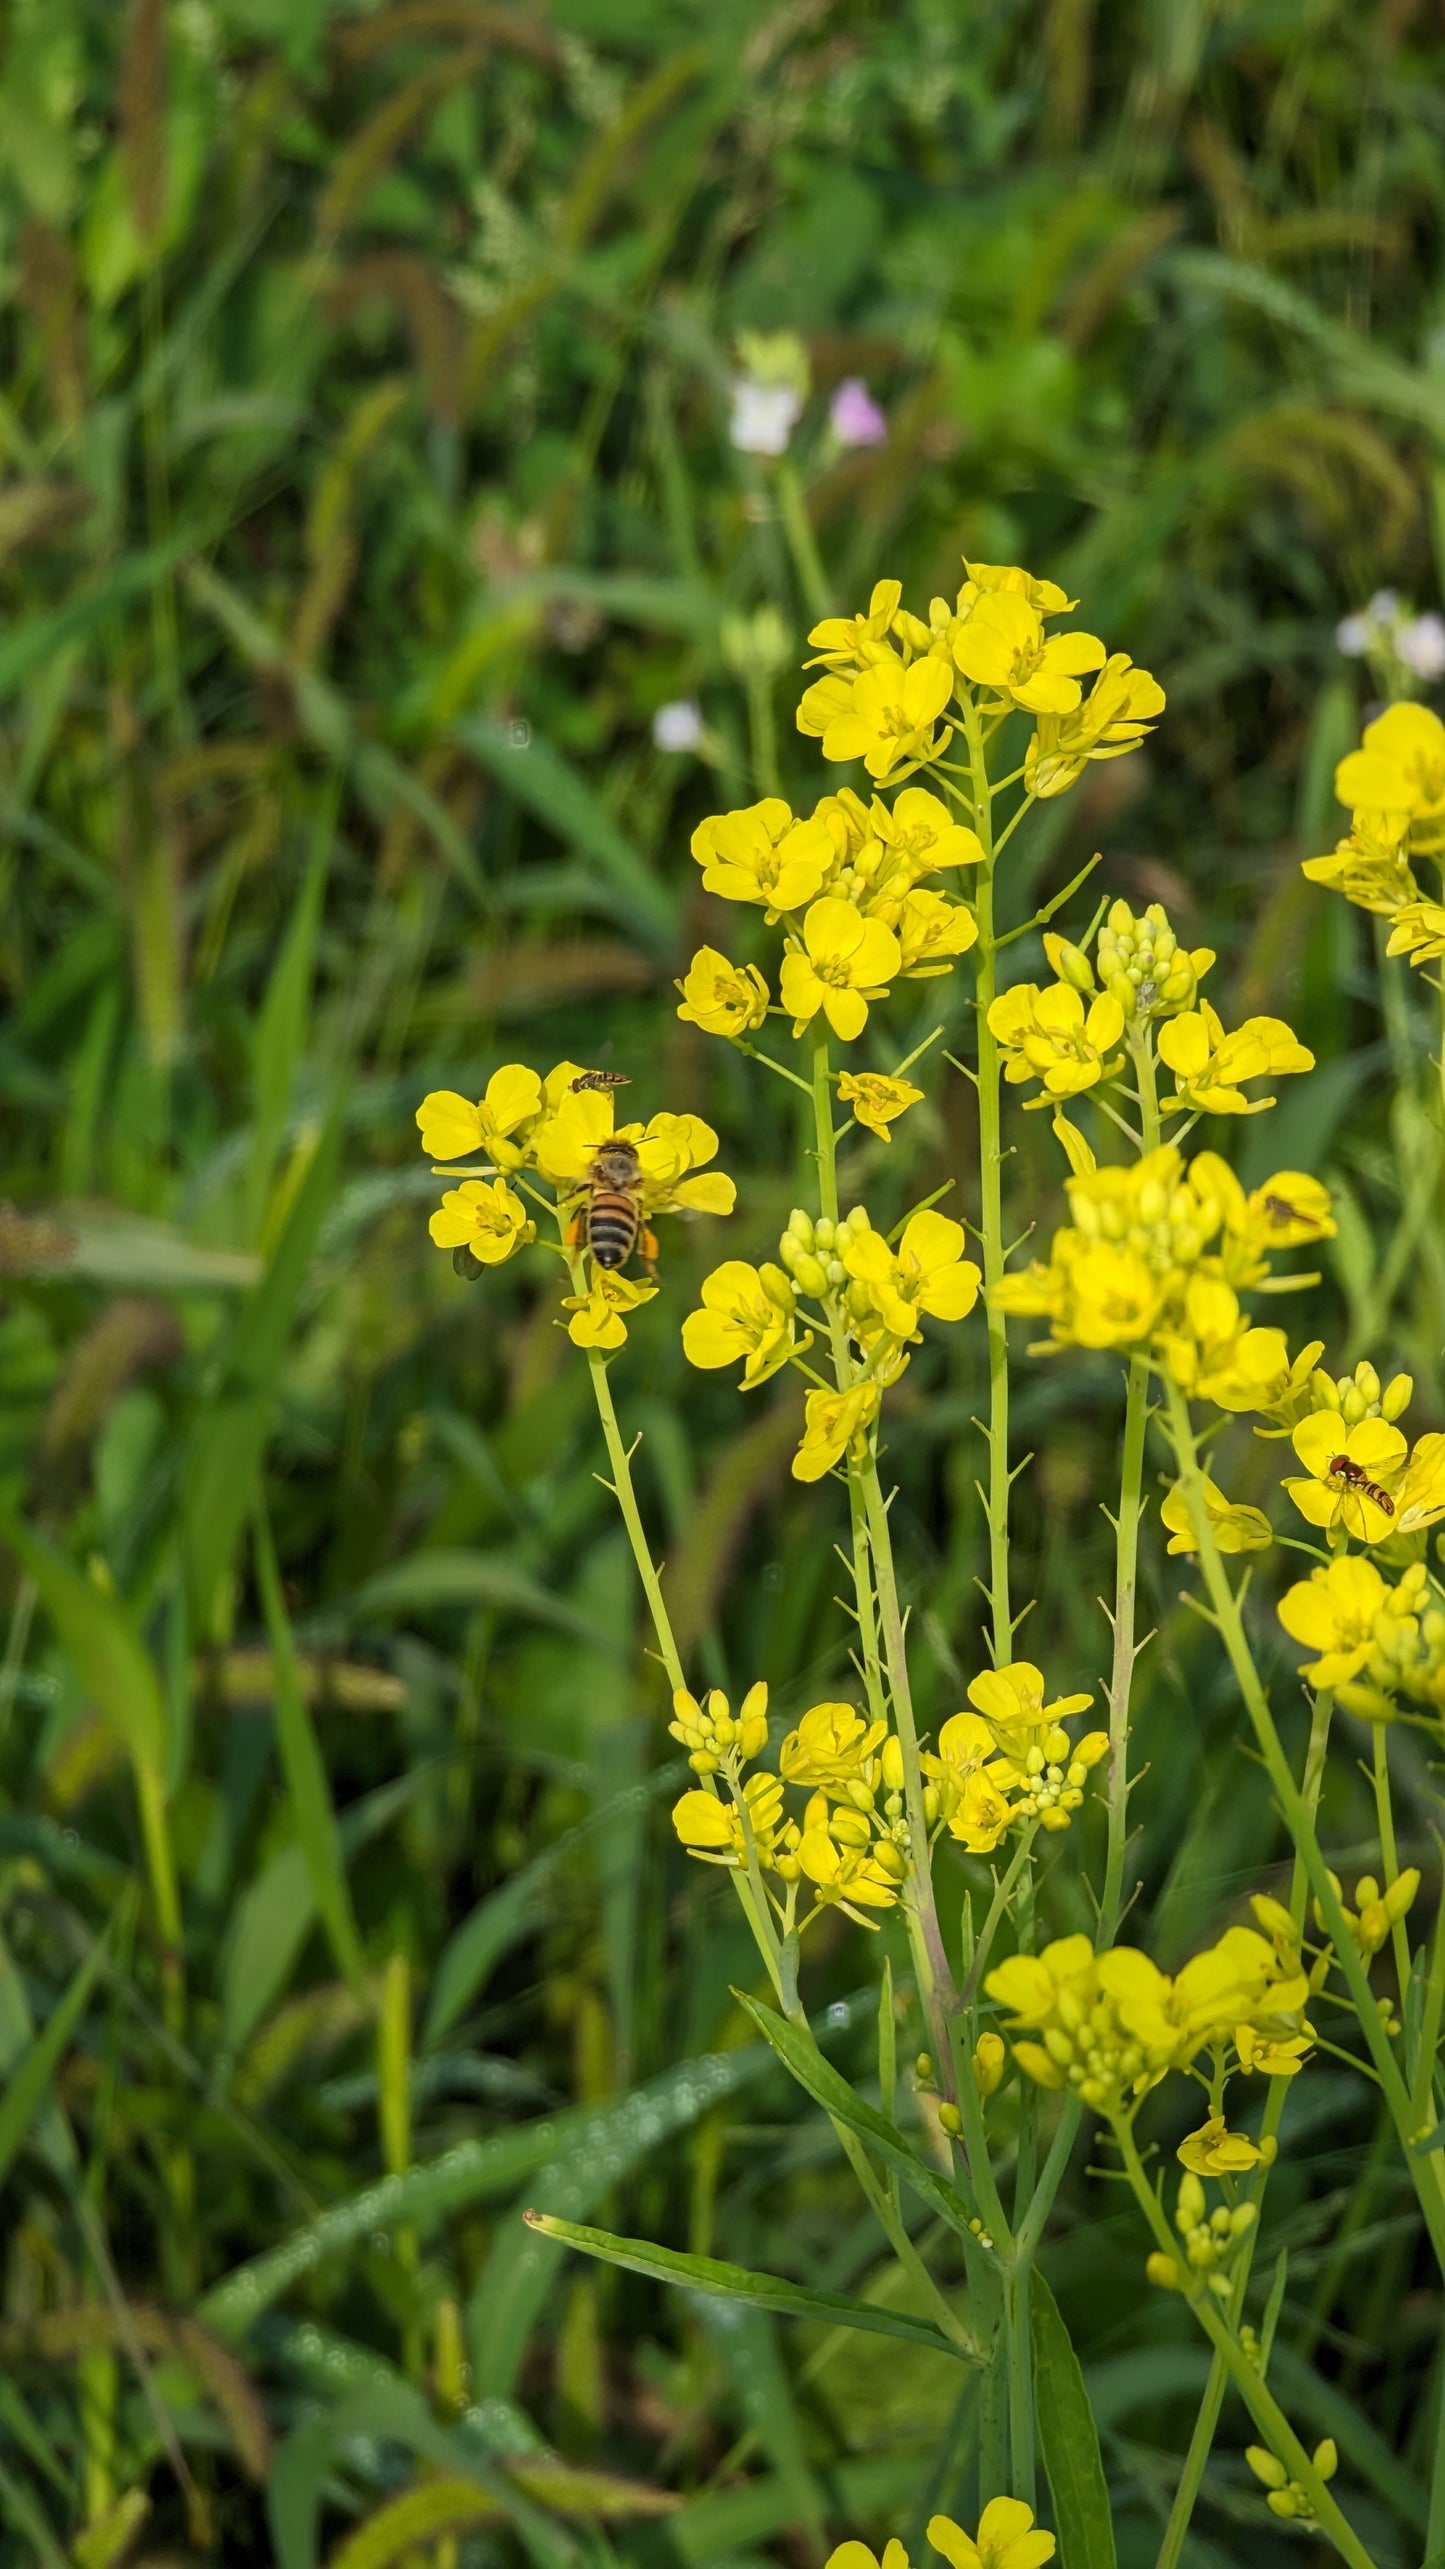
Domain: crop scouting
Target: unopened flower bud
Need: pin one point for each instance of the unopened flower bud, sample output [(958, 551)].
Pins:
[(1323, 1392), (1089, 1749), (1366, 1890), (1056, 1744), (1353, 1405), (812, 1276), (892, 1763), (1190, 2206), (776, 1285), (1054, 1820), (1395, 1398), (1163, 2271), (950, 2120), (1070, 963), (849, 1827), (1367, 1380), (988, 2062), (800, 1227), (1326, 2459)]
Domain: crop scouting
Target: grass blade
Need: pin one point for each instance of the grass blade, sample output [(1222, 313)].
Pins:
[(305, 1769), (29, 2081), (1069, 2438), (739, 2284)]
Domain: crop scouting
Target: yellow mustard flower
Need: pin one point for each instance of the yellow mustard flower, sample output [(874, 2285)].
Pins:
[(1011, 1700), (723, 998), (926, 1275), (1398, 774), (1117, 714), (932, 933), (1420, 1497), (1288, 1210), (452, 1128), (834, 1424), (711, 1826), (712, 1735), (1370, 868), (482, 1215), (848, 1867), (1113, 2024), (1116, 1296), (1213, 1353), (1001, 647), (877, 1101), (1210, 1065), (1048, 1035), (856, 2555), (1007, 2538), (1274, 2055), (1235, 1527), (1347, 1467), (923, 833), (832, 1748), (670, 1149), (987, 578), (844, 961), (747, 1313), (980, 1813), (1215, 2151), (849, 641), (763, 855), (1334, 1612), (1419, 931), (597, 1315), (886, 715)]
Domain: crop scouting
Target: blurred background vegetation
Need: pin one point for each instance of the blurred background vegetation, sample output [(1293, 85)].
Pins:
[(367, 492)]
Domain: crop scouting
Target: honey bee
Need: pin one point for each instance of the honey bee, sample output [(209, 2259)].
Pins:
[(610, 1220), (1342, 1469), (603, 1079)]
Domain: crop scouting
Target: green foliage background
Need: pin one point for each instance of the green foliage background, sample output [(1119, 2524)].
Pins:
[(366, 491)]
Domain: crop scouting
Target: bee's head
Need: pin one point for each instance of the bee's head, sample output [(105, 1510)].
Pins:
[(616, 1164)]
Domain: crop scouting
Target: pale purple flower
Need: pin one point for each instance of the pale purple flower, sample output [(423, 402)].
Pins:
[(1421, 645), (854, 415), (677, 726), (763, 416)]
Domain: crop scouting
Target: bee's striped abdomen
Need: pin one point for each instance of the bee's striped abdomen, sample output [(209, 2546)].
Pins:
[(613, 1222)]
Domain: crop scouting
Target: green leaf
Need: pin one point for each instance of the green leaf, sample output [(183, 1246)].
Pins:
[(739, 2283), (230, 1438), (538, 777), (305, 1770), (281, 1026), (98, 1637), (516, 1907), (828, 2088), (1069, 2438), (606, 2139), (28, 2084), (398, 2413), (450, 1577)]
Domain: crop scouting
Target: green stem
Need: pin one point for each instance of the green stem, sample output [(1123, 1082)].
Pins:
[(1207, 2422), (991, 1201), (802, 543), (1126, 1558), (1426, 2174), (1020, 2381), (631, 1517), (1263, 2407), (1399, 1941)]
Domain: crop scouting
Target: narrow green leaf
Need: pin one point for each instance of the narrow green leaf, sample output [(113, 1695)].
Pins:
[(451, 1577), (97, 1635), (281, 1026), (828, 2088), (739, 2283), (538, 777), (28, 2085), (305, 1769), (1069, 2438), (606, 2140), (230, 1438)]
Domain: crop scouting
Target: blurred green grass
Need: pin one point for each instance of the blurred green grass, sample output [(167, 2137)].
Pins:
[(366, 493)]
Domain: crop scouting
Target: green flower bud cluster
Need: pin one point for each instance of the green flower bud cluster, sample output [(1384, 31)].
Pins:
[(1408, 1653), (715, 1738), (1143, 966), (1210, 2240), (756, 643), (1057, 1777), (1140, 963), (812, 1251), (1359, 1395), (1285, 2496)]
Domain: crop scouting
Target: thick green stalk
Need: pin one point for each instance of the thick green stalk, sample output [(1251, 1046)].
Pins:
[(1274, 2427), (1426, 2174), (990, 1152)]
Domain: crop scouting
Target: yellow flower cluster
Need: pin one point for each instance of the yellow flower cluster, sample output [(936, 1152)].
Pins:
[(876, 1292), (1393, 787), (1009, 1760), (1285, 2497), (528, 1127), (848, 1848), (1156, 1256), (1007, 2538), (1112, 2025), (1374, 1645)]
